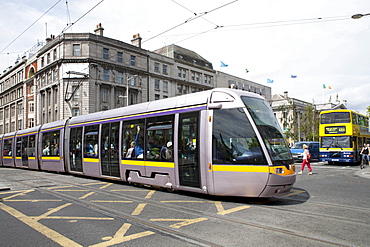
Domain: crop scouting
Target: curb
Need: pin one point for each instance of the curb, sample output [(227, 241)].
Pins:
[(3, 187)]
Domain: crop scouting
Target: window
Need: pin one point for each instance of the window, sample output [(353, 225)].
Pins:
[(31, 122), (164, 69), (105, 53), (104, 95), (106, 74), (156, 84), (160, 138), (120, 77), (133, 60), (91, 141), (55, 54), (165, 86), (75, 112), (48, 58), (76, 50), (42, 62), (119, 57), (156, 67), (156, 97), (133, 139), (50, 143)]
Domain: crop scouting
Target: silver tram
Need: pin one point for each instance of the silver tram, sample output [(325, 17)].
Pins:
[(222, 142)]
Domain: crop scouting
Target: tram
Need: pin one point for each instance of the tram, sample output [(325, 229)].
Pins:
[(222, 142)]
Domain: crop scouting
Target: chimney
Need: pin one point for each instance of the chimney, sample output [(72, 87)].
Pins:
[(99, 30), (285, 94), (136, 41)]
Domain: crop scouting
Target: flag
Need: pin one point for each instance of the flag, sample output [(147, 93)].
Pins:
[(324, 86), (246, 70), (293, 76), (270, 81), (223, 64)]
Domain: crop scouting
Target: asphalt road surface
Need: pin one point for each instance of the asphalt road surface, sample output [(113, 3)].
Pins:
[(329, 208)]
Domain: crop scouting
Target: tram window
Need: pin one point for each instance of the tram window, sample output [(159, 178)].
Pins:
[(50, 143), (160, 138), (234, 140), (7, 147), (133, 139), (91, 141), (31, 146), (18, 146)]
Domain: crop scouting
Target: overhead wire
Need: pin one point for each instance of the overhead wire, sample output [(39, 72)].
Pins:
[(30, 26), (265, 25), (189, 20), (71, 24)]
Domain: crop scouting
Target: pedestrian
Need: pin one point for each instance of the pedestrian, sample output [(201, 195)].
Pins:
[(306, 160), (365, 155)]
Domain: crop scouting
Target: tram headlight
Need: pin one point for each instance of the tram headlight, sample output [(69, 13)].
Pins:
[(279, 170)]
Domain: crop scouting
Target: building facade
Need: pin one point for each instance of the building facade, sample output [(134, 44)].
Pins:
[(81, 73)]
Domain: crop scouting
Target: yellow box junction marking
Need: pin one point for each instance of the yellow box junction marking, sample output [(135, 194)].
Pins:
[(183, 222), (139, 209), (149, 195), (87, 195), (120, 237), (218, 205)]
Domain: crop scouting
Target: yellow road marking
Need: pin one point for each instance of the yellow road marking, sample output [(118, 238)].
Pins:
[(60, 187), (222, 211), (30, 221), (139, 209), (190, 201), (149, 195), (71, 190), (184, 222), (130, 190), (18, 191), (120, 237), (33, 200), (87, 195), (105, 186), (96, 183), (75, 218), (111, 201)]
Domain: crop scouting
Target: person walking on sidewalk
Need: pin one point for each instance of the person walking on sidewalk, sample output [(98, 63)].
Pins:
[(306, 160)]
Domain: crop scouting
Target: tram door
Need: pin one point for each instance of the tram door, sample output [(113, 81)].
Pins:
[(188, 155), (110, 150), (24, 148), (75, 149)]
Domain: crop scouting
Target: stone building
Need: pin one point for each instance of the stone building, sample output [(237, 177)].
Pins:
[(81, 73)]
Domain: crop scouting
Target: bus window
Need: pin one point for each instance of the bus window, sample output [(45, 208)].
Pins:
[(160, 138)]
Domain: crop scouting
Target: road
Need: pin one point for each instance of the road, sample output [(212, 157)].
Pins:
[(329, 208)]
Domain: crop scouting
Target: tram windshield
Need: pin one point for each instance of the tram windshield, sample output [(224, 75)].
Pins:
[(269, 129), (336, 142)]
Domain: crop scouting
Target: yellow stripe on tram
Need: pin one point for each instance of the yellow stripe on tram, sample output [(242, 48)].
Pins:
[(50, 158), (91, 160), (148, 163), (235, 168)]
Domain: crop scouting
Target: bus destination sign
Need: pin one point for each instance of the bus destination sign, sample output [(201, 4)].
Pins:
[(335, 130)]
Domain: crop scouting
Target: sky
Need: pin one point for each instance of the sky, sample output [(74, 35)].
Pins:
[(317, 41)]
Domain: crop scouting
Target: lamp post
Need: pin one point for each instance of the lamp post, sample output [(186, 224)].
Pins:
[(127, 80)]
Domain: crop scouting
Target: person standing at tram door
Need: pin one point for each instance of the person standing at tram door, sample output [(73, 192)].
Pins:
[(306, 160)]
